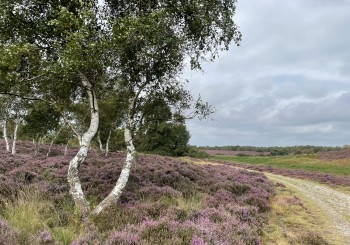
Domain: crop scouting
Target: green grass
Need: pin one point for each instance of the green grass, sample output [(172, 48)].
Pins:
[(308, 163)]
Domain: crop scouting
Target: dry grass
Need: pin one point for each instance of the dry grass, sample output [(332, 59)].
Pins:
[(290, 222), (30, 213)]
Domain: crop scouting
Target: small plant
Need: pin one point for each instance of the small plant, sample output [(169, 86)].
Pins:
[(43, 237), (7, 234), (46, 174)]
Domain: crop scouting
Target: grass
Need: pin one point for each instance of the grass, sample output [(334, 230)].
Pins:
[(308, 163), (31, 213), (290, 222)]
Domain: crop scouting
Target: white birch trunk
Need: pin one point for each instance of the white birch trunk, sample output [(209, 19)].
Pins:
[(14, 141), (54, 138), (80, 139), (73, 171), (37, 145), (99, 141), (7, 143), (65, 150), (50, 146), (107, 143), (124, 175)]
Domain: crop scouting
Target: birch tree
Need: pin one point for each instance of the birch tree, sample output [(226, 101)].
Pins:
[(74, 51), (112, 112), (61, 46), (12, 113), (4, 119), (39, 121)]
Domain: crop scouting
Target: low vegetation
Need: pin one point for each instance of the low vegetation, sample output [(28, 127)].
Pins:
[(306, 162), (326, 178), (165, 202), (290, 222), (275, 150)]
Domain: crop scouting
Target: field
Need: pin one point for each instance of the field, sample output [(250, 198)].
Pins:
[(308, 163), (304, 206), (331, 168), (166, 201)]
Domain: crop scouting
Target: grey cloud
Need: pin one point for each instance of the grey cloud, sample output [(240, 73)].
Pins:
[(326, 110), (288, 83)]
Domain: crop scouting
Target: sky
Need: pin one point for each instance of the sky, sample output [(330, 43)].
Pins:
[(287, 84)]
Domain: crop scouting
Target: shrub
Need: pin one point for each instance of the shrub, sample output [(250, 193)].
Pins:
[(196, 153), (7, 234)]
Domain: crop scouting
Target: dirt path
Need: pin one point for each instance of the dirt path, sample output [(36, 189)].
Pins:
[(332, 203)]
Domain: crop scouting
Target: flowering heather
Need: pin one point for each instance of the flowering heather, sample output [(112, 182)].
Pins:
[(44, 237), (330, 179), (165, 201), (7, 234), (198, 241)]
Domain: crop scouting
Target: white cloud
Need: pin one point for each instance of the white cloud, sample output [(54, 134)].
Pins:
[(289, 82)]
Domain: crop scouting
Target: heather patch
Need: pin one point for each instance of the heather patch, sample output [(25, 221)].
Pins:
[(325, 178), (7, 234), (165, 201)]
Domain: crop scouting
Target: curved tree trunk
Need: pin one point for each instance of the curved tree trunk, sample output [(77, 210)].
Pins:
[(99, 141), (124, 175), (54, 138), (73, 171)]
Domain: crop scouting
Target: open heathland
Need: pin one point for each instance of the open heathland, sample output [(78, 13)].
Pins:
[(235, 153), (312, 163), (165, 202)]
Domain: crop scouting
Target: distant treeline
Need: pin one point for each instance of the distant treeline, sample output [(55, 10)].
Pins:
[(276, 150)]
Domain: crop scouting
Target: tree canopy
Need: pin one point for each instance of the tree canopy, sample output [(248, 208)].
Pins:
[(75, 54)]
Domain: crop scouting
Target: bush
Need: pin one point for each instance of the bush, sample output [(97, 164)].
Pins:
[(7, 234), (196, 153), (165, 138)]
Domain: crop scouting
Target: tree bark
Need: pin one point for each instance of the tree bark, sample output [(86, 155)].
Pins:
[(37, 145), (14, 141), (65, 150), (73, 171), (99, 141), (107, 143), (54, 138), (124, 175), (7, 143)]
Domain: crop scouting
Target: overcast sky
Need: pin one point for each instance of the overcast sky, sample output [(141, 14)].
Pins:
[(287, 84)]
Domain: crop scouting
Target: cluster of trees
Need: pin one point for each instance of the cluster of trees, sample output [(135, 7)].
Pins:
[(97, 67), (40, 123), (276, 150)]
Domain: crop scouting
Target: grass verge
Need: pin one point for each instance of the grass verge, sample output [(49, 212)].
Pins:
[(290, 222)]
